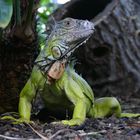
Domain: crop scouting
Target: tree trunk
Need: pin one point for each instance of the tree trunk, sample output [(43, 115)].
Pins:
[(18, 45), (111, 59)]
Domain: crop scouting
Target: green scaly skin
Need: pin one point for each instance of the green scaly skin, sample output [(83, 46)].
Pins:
[(71, 92)]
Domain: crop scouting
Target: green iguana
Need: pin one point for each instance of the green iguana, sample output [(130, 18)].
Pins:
[(60, 86)]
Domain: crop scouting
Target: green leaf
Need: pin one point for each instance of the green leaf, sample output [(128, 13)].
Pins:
[(44, 2), (6, 10)]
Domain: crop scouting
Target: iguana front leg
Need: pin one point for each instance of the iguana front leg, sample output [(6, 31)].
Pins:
[(79, 114), (81, 103), (28, 93), (26, 96)]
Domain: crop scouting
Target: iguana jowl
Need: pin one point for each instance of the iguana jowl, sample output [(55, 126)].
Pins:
[(61, 87)]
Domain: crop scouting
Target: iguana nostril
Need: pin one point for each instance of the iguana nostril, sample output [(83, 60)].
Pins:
[(89, 24)]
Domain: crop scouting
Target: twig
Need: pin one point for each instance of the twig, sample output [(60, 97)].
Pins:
[(39, 134), (64, 130), (92, 133), (133, 124), (11, 138), (109, 135), (9, 113)]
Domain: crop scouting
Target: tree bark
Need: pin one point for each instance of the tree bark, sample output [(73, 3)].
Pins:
[(18, 48), (110, 61)]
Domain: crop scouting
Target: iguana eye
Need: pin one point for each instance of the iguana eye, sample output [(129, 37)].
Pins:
[(56, 52), (68, 23)]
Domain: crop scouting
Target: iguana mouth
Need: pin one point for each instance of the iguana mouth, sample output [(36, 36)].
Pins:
[(68, 52)]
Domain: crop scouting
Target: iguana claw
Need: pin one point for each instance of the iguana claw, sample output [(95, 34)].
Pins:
[(72, 122), (17, 121)]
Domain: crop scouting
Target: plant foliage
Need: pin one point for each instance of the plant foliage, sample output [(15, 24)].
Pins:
[(6, 11)]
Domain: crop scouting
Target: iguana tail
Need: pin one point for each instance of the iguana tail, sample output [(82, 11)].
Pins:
[(129, 115)]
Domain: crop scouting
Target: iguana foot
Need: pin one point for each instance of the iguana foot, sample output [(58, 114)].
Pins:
[(72, 122), (16, 121), (129, 115)]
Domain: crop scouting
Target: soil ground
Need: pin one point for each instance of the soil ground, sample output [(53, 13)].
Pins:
[(93, 129)]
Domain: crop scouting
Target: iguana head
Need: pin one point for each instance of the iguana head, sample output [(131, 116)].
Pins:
[(67, 35)]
